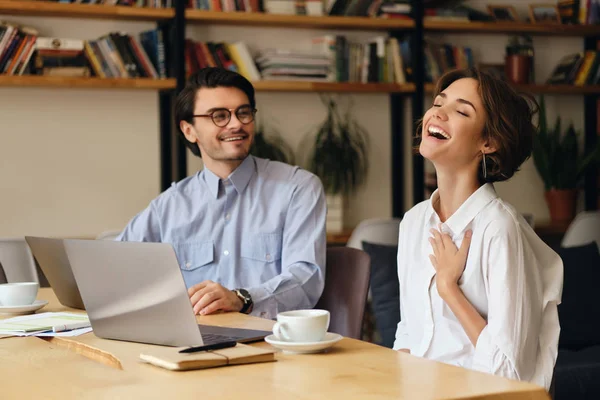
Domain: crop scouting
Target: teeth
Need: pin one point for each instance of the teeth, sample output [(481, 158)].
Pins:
[(231, 139), (433, 129)]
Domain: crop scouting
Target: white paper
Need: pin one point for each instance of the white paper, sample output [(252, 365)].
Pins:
[(28, 325)]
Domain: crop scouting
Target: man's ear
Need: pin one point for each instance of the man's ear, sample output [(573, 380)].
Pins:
[(188, 131)]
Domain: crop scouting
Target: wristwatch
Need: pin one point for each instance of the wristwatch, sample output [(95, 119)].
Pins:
[(246, 299)]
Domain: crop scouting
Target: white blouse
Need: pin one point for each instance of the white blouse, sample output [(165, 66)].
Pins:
[(512, 278)]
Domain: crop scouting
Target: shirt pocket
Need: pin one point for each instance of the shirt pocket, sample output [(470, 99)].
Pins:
[(193, 255), (265, 247)]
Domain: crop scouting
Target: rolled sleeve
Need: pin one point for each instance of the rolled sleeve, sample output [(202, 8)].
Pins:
[(510, 344), (488, 357), (302, 279)]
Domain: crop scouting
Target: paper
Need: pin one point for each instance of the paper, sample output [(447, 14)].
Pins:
[(42, 324)]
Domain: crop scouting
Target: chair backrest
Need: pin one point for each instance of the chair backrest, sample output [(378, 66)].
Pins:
[(108, 235), (584, 229), (346, 287), (375, 230), (17, 261)]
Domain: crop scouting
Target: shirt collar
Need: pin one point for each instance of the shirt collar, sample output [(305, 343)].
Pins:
[(240, 177), (468, 210), (242, 174)]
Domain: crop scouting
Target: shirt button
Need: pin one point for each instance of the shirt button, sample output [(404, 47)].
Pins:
[(226, 252), (227, 216), (268, 257), (187, 264)]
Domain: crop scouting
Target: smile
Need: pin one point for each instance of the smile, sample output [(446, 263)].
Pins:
[(233, 138), (438, 133)]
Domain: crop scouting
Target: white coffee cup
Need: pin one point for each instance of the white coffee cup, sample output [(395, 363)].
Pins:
[(303, 326), (18, 293)]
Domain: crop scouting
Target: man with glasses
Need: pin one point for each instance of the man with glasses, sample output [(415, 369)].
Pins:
[(249, 233)]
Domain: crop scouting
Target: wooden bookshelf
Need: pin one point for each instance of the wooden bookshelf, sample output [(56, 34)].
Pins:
[(295, 21), (342, 87), (512, 28), (87, 83), (546, 89), (91, 11)]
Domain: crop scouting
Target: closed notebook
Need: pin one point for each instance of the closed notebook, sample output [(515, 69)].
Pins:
[(170, 357)]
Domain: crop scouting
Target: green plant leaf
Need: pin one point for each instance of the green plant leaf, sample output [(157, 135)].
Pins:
[(271, 147), (340, 153), (556, 155)]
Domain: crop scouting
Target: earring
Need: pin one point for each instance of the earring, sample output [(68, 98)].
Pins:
[(483, 166)]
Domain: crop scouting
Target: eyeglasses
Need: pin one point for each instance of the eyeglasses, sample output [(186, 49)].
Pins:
[(221, 116)]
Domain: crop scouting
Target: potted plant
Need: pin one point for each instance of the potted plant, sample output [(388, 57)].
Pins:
[(339, 159), (271, 146), (561, 167)]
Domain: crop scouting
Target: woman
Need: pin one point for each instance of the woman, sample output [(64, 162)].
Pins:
[(478, 288)]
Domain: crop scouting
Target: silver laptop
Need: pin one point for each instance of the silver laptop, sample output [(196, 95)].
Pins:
[(134, 291), (52, 259)]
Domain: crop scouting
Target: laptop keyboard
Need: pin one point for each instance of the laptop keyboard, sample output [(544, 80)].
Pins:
[(211, 338)]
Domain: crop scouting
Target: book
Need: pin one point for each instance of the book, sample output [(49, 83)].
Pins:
[(170, 358)]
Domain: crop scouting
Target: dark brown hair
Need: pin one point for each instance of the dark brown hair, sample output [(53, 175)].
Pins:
[(207, 78), (509, 126)]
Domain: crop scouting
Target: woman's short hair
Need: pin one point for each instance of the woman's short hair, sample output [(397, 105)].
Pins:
[(509, 126)]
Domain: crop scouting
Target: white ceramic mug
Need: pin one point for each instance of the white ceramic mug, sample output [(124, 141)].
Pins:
[(18, 293), (302, 326)]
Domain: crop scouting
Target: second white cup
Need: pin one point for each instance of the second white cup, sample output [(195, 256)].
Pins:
[(18, 293), (306, 326)]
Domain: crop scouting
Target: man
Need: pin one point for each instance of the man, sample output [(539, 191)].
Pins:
[(249, 233)]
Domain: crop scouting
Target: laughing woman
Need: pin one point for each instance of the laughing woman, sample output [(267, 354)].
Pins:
[(478, 288)]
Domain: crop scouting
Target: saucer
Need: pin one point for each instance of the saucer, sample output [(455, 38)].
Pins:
[(20, 310), (307, 347)]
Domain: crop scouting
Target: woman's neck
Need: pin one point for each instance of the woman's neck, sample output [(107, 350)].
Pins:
[(453, 190)]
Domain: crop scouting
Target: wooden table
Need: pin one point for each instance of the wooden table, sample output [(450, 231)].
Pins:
[(86, 367)]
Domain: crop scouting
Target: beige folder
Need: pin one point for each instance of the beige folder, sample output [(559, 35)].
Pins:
[(170, 357)]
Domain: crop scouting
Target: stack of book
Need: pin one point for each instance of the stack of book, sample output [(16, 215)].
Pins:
[(119, 55), (578, 69), (17, 45), (130, 3), (443, 57), (291, 65), (382, 59), (362, 8), (235, 57), (115, 55), (60, 57)]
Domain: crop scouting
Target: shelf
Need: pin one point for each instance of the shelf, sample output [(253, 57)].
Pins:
[(76, 82), (301, 86), (92, 11), (547, 89), (295, 21), (512, 28)]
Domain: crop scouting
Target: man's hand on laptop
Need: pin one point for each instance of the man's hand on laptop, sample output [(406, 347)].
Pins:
[(209, 297)]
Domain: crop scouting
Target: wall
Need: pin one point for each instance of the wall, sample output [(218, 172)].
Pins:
[(78, 162)]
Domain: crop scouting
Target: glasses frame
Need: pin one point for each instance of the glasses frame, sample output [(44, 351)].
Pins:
[(230, 111)]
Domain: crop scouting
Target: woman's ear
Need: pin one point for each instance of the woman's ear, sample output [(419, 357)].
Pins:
[(488, 148), (188, 131)]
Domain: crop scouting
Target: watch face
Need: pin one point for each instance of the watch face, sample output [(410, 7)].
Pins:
[(244, 293)]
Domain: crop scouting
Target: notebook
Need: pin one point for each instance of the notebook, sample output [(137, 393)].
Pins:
[(170, 358)]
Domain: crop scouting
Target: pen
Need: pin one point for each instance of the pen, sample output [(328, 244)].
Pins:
[(216, 346), (70, 327)]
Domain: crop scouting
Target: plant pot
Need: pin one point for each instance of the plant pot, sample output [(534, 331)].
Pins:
[(561, 204), (335, 213), (517, 68)]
